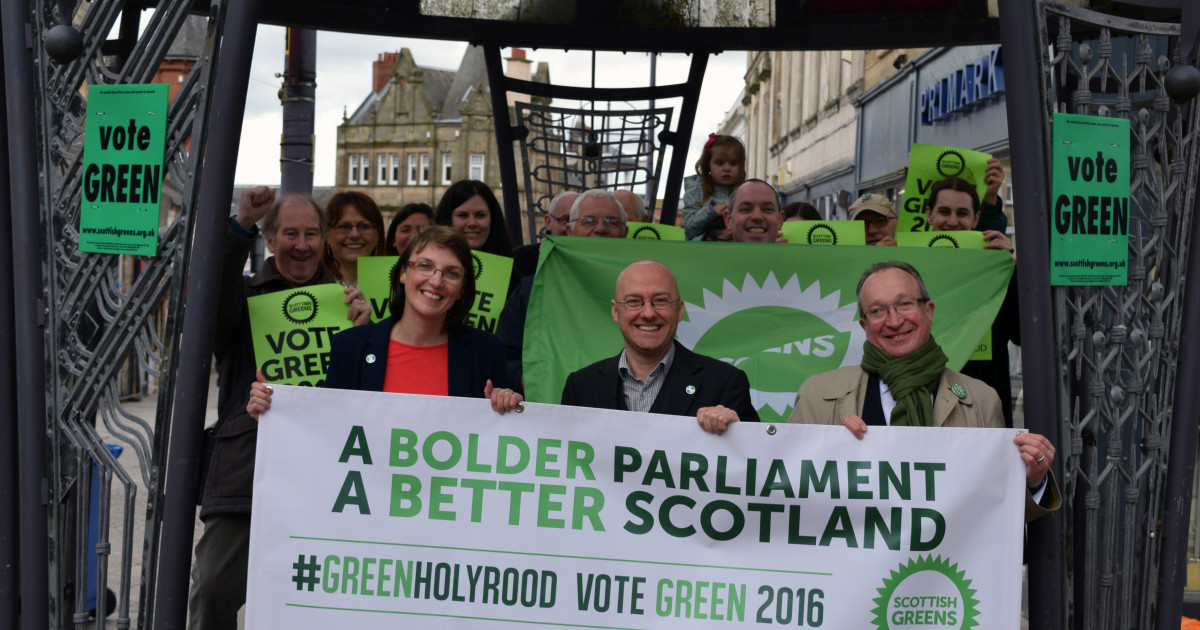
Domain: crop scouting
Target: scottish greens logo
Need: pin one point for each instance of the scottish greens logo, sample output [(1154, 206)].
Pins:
[(478, 265), (950, 164), (778, 334), (300, 307), (821, 234), (943, 240), (928, 592), (647, 232)]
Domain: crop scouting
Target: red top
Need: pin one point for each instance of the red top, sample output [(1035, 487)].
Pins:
[(417, 369)]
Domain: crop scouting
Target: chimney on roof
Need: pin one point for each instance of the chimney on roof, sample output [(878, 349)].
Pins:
[(381, 70), (518, 68)]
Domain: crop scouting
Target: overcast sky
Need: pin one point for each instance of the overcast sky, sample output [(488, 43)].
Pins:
[(344, 80)]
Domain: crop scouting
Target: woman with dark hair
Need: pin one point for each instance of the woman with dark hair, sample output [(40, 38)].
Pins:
[(355, 230), (405, 224), (425, 346), (470, 206)]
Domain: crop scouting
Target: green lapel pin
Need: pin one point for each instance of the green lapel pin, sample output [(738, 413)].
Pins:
[(959, 390)]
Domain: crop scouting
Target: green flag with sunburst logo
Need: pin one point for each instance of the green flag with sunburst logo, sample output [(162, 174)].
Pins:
[(779, 313)]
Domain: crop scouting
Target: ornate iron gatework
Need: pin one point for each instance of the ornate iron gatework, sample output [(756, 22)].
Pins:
[(112, 322), (1118, 347), (577, 149)]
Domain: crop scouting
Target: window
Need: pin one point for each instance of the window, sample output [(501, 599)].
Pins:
[(446, 168), (412, 169), (382, 179), (364, 165), (394, 176), (424, 168), (353, 170), (476, 171)]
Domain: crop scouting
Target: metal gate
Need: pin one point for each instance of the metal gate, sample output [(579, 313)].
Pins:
[(1116, 351), (105, 316)]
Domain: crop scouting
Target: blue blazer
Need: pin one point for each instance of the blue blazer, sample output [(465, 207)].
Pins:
[(358, 360)]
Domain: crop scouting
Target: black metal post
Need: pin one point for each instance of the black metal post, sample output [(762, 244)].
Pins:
[(299, 100), (127, 37), (9, 455), (1027, 141), (650, 197), (28, 317), (683, 136), (1181, 454), (504, 143), (195, 349)]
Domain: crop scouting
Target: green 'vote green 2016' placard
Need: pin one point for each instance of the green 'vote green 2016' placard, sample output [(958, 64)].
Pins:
[(1089, 217), (654, 231), (492, 274), (929, 164), (123, 151), (292, 331), (824, 232), (961, 239)]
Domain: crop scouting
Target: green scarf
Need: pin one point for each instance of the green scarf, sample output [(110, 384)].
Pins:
[(910, 378)]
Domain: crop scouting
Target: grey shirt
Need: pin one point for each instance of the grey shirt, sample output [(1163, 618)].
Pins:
[(640, 395)]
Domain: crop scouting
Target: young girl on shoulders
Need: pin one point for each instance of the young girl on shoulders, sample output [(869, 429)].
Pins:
[(721, 168)]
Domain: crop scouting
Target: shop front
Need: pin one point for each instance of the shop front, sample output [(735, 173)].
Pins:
[(945, 96)]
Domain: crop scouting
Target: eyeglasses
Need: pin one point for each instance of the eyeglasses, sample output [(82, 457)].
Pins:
[(590, 222), (879, 222), (903, 307), (426, 269), (659, 303), (343, 229), (562, 219)]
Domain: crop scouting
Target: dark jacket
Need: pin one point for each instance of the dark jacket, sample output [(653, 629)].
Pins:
[(511, 329), (230, 478), (992, 217), (358, 360), (715, 383), (525, 258), (994, 371)]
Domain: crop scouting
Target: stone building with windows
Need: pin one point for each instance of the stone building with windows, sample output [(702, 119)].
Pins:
[(421, 129), (799, 117)]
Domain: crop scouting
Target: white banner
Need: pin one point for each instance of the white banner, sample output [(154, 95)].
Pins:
[(380, 510)]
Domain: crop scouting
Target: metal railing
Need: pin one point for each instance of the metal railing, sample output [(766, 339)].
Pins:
[(577, 149)]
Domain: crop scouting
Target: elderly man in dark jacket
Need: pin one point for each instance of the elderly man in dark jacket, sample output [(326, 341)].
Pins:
[(295, 230)]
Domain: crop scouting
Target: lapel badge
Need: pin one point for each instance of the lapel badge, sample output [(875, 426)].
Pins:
[(690, 389), (959, 390), (370, 358)]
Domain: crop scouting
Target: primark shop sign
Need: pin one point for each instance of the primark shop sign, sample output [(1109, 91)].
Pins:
[(973, 84)]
